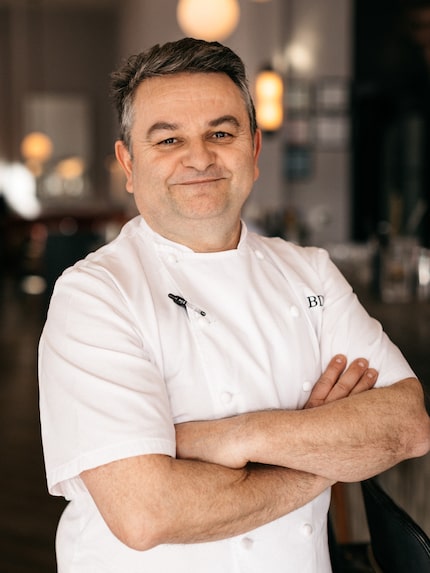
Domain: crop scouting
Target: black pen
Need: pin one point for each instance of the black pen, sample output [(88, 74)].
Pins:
[(179, 300)]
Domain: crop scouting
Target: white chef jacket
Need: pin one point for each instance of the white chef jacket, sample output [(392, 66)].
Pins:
[(121, 363)]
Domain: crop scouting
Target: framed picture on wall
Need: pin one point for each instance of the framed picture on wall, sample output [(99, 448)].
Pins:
[(65, 120)]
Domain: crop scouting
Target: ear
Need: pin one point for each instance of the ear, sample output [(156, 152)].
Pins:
[(257, 148), (124, 159)]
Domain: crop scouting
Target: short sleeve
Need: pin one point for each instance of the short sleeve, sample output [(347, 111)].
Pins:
[(102, 396), (347, 327)]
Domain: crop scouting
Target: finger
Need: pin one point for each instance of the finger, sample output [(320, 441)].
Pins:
[(366, 382), (326, 381), (351, 377)]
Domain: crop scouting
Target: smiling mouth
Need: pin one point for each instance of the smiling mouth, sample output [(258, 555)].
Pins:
[(200, 181)]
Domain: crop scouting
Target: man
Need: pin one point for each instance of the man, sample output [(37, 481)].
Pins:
[(196, 400)]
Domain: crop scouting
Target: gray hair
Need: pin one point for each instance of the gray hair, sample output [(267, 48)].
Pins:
[(185, 55)]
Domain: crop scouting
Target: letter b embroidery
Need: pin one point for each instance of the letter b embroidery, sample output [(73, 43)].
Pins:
[(315, 300)]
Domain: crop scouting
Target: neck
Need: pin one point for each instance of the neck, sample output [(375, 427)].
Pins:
[(203, 237)]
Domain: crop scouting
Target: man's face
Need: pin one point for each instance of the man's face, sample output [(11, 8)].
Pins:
[(194, 160)]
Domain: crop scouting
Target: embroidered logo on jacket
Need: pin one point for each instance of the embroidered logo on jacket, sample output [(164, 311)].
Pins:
[(315, 300)]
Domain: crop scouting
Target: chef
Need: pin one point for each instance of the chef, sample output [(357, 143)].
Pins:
[(202, 387)]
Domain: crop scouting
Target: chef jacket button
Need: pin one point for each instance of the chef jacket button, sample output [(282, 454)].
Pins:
[(294, 311), (259, 255), (171, 259), (307, 386), (247, 542), (226, 397), (307, 529)]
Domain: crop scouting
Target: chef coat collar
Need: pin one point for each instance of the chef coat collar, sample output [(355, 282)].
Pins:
[(171, 246)]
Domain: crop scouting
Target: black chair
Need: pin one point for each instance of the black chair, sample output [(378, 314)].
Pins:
[(397, 543)]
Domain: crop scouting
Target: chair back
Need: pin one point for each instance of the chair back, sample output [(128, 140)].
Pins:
[(398, 544)]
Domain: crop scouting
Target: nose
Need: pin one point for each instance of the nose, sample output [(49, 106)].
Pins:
[(198, 155)]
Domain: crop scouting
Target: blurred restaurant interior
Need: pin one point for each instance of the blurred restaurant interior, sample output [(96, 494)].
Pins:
[(345, 166)]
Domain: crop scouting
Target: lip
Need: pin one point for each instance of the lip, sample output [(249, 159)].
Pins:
[(189, 182)]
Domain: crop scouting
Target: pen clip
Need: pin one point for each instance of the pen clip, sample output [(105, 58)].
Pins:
[(181, 301)]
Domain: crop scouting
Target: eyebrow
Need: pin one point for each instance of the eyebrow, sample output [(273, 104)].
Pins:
[(225, 119), (166, 126), (162, 126)]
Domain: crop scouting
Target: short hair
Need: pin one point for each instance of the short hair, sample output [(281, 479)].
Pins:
[(185, 55)]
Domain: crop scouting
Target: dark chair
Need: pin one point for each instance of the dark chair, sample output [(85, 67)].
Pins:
[(397, 543)]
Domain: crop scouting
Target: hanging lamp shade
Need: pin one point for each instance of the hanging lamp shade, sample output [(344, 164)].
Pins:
[(269, 91), (208, 19)]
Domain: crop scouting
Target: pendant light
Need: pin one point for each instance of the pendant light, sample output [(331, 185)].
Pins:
[(269, 90), (208, 19)]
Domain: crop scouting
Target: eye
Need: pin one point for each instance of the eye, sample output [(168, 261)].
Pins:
[(168, 141), (222, 135)]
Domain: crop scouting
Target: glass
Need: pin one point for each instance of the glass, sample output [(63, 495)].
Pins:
[(423, 275)]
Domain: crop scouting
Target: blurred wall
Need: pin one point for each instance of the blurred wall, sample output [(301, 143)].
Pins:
[(60, 48), (324, 202)]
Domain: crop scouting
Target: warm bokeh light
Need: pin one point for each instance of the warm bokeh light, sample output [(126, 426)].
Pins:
[(300, 58), (70, 168), (36, 146), (269, 91), (209, 19), (269, 85)]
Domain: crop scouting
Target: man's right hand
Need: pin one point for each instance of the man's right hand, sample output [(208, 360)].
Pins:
[(339, 381)]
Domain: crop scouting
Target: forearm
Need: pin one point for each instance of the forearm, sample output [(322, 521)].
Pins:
[(345, 440), (181, 501), (225, 504)]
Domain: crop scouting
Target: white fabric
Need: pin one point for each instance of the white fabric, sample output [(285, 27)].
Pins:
[(120, 363)]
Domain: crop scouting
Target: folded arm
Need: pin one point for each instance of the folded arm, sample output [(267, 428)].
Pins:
[(154, 499), (348, 439)]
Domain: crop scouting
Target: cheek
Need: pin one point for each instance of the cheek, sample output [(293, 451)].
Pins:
[(150, 189), (146, 175)]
